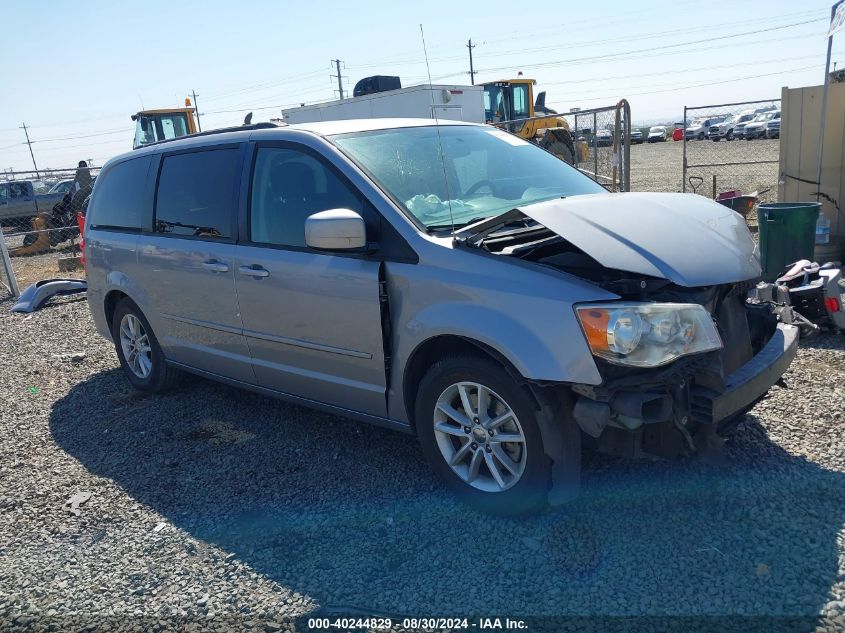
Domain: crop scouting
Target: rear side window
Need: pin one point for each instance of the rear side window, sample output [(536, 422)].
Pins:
[(196, 194), (119, 196)]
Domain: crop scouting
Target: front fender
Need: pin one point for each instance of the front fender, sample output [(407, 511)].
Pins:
[(541, 345)]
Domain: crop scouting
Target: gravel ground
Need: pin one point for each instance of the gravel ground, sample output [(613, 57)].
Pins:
[(216, 509), (659, 166)]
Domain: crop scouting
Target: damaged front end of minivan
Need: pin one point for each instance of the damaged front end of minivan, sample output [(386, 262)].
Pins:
[(682, 352)]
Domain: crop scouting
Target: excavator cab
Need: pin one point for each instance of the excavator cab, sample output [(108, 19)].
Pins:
[(152, 126)]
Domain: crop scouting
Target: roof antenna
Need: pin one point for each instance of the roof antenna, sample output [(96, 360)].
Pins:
[(439, 140)]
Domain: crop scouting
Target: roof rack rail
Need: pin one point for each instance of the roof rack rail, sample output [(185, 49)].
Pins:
[(235, 128)]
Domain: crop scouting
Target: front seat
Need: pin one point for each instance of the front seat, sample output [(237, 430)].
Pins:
[(290, 199)]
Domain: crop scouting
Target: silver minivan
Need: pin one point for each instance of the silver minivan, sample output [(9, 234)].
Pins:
[(452, 280)]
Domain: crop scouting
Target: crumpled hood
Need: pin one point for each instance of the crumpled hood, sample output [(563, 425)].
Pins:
[(685, 238)]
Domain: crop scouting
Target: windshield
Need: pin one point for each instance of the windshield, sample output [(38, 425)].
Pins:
[(657, 129), (484, 171)]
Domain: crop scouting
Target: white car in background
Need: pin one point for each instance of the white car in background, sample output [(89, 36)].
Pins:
[(760, 124), (657, 134), (731, 127), (699, 129), (63, 186)]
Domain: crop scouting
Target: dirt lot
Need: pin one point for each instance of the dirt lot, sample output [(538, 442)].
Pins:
[(218, 509), (658, 166)]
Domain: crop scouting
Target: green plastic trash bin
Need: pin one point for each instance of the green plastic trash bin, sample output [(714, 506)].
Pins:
[(787, 234)]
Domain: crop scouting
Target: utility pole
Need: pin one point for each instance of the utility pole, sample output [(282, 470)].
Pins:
[(28, 142), (336, 62), (472, 71), (196, 110)]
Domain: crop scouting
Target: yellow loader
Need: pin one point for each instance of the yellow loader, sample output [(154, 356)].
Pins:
[(152, 126), (511, 101)]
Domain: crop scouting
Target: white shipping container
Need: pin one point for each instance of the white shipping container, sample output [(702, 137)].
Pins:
[(458, 103)]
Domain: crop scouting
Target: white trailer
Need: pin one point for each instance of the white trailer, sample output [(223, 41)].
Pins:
[(459, 103)]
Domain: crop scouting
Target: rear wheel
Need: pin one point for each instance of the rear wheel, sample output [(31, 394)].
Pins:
[(480, 433), (138, 350)]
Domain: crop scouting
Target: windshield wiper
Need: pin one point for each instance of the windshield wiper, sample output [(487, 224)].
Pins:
[(457, 225), (474, 234)]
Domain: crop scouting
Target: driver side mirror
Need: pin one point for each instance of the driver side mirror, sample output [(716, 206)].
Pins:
[(336, 230)]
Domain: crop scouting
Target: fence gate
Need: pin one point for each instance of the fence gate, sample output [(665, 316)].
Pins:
[(600, 141), (732, 147), (603, 141)]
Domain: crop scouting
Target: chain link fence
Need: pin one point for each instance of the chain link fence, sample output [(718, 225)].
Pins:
[(597, 142), (38, 218), (732, 147)]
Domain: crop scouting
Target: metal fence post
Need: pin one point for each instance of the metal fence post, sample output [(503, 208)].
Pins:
[(595, 146), (7, 265), (684, 168)]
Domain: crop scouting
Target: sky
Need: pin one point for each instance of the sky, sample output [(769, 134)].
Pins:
[(76, 71)]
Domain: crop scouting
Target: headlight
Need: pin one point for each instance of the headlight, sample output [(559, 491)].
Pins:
[(647, 334)]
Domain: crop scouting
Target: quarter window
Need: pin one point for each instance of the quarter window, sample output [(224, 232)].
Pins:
[(289, 185), (196, 194), (119, 196)]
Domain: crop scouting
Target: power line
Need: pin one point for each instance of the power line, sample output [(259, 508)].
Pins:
[(73, 138), (593, 58), (700, 85), (663, 73)]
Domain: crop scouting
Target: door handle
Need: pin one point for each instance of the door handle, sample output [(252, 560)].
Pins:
[(215, 266), (254, 271)]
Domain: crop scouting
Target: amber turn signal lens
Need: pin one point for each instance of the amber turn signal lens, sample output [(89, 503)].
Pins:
[(594, 322)]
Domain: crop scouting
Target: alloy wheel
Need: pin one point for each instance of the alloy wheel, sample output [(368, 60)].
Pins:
[(480, 437), (136, 346)]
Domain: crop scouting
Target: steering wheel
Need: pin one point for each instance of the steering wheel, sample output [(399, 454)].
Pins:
[(481, 183)]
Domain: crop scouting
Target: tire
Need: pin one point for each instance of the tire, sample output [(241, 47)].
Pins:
[(146, 370), (559, 142), (730, 135), (523, 466), (701, 136)]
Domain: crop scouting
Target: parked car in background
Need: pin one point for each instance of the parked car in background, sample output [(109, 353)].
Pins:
[(727, 129), (758, 126), (657, 134), (504, 314), (41, 186), (604, 138), (19, 200), (699, 129), (773, 128), (636, 136), (63, 186)]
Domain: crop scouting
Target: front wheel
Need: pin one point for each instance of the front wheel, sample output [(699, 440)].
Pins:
[(479, 432)]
